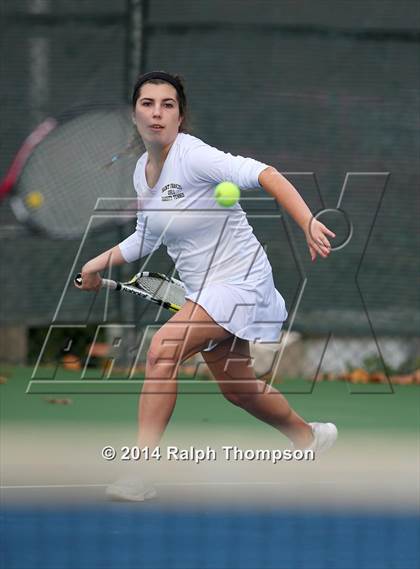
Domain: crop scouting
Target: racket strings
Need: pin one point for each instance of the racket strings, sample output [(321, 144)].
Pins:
[(68, 173), (162, 289)]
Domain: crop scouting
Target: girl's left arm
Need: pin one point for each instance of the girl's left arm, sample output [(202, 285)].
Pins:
[(288, 197)]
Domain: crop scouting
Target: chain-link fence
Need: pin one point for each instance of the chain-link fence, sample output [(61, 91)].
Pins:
[(328, 97)]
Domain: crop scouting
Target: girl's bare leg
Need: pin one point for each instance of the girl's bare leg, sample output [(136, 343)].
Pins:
[(185, 334), (230, 364)]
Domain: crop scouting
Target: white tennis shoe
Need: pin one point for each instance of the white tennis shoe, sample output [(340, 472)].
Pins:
[(131, 489), (325, 435)]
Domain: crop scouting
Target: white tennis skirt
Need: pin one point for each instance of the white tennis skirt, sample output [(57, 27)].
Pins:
[(253, 311)]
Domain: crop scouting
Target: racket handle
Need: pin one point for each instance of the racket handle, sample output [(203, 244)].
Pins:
[(106, 283)]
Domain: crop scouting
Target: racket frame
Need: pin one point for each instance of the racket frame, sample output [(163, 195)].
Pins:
[(132, 287), (9, 185)]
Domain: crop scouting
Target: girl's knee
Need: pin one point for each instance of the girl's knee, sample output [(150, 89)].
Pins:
[(159, 357), (153, 357)]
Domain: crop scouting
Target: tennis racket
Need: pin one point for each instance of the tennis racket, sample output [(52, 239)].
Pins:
[(153, 287), (70, 162)]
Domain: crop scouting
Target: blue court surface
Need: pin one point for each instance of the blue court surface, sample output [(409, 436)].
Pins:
[(133, 536)]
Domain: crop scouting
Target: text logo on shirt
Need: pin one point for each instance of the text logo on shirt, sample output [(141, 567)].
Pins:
[(171, 192)]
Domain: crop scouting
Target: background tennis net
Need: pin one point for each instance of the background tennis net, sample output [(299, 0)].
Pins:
[(155, 538)]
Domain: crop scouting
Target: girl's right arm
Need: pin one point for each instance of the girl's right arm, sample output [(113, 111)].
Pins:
[(137, 245), (90, 271)]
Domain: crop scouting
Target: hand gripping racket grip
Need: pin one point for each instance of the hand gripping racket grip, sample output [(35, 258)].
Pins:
[(113, 285), (106, 283)]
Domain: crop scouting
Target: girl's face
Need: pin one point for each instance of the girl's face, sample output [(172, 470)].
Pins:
[(156, 114)]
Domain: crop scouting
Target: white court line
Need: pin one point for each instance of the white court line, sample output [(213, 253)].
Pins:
[(42, 486), (161, 484)]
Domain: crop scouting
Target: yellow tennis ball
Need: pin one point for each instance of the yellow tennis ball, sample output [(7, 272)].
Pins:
[(227, 194), (34, 200)]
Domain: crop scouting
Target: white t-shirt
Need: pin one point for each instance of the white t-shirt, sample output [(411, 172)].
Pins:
[(208, 243)]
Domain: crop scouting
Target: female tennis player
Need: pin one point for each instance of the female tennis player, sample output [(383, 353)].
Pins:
[(230, 294)]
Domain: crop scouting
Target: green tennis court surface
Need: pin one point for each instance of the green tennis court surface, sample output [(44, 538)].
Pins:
[(353, 408), (60, 444)]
